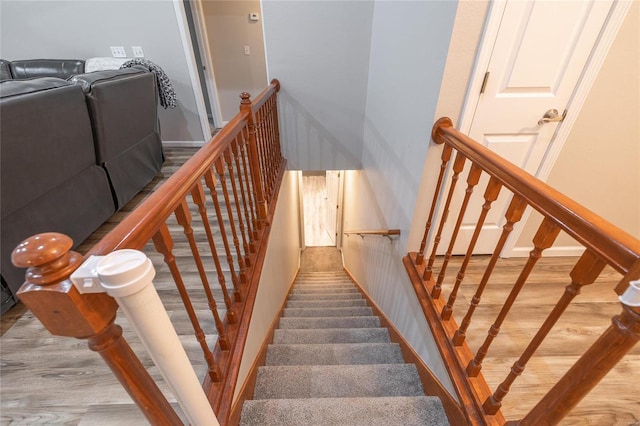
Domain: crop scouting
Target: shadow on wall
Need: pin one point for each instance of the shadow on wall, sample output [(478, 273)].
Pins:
[(308, 144), (396, 187)]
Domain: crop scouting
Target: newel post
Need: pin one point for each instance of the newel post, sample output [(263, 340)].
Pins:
[(50, 295), (254, 161), (593, 365)]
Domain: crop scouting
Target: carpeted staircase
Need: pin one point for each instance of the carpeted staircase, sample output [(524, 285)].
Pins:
[(331, 364)]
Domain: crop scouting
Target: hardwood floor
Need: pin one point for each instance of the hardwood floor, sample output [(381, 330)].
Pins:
[(615, 401), (54, 380)]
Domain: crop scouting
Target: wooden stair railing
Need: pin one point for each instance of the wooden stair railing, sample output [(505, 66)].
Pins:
[(604, 245), (233, 179), (388, 233)]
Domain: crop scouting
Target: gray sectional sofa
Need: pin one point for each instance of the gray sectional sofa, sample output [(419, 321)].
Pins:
[(74, 148)]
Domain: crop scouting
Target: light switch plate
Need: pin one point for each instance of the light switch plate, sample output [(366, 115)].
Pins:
[(118, 52), (254, 17), (137, 51)]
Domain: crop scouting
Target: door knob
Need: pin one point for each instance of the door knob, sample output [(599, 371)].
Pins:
[(551, 116)]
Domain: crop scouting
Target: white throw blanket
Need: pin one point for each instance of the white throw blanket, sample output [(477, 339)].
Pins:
[(106, 63)]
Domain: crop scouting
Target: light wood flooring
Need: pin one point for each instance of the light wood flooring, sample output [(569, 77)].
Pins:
[(615, 401), (52, 380)]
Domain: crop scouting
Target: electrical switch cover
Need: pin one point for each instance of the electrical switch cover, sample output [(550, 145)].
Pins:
[(254, 16), (247, 50), (137, 51), (118, 52)]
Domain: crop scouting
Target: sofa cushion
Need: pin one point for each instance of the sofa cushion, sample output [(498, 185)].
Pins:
[(61, 68), (5, 70), (123, 110), (46, 138)]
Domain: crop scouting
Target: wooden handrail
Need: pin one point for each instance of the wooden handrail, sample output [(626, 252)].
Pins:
[(620, 249), (388, 233), (238, 173), (383, 232), (604, 243)]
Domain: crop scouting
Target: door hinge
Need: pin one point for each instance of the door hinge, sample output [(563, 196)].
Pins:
[(484, 82)]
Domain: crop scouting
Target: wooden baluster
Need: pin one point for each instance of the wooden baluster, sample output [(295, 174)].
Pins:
[(254, 162), (275, 145), (268, 148), (274, 117), (458, 165), (238, 155), (183, 216), (164, 244), (65, 312), (513, 215), (585, 272), (472, 180), (446, 156), (264, 150), (490, 195), (232, 224), (250, 190), (228, 154), (210, 180), (544, 238), (592, 366), (199, 199)]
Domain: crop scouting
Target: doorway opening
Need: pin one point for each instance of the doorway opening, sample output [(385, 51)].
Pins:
[(322, 208)]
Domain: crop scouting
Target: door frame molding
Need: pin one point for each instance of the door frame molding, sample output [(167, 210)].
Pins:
[(598, 55), (205, 55)]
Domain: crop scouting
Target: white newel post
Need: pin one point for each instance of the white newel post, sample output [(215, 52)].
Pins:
[(127, 275)]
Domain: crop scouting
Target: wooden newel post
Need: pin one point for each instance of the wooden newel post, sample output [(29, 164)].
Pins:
[(51, 296), (254, 161), (593, 365)]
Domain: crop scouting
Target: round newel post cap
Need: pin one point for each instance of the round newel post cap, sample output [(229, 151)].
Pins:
[(443, 122), (246, 98), (47, 256), (49, 294)]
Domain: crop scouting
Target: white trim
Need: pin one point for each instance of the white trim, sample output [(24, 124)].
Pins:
[(489, 35), (590, 72), (205, 55), (183, 28), (264, 43), (562, 251), (182, 144)]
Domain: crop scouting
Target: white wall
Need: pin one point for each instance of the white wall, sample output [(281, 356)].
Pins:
[(84, 29), (281, 264), (409, 46), (319, 50)]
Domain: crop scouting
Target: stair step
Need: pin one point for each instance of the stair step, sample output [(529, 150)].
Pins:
[(384, 411), (328, 322), (325, 296), (321, 286), (300, 290), (332, 335), (326, 303), (353, 311), (337, 381), (334, 354)]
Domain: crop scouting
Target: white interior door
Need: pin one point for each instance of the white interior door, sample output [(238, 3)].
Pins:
[(333, 191), (539, 53)]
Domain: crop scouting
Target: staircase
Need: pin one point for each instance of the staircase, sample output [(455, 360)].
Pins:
[(332, 364)]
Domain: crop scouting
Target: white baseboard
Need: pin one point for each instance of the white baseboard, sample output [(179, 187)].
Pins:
[(182, 144), (562, 251)]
